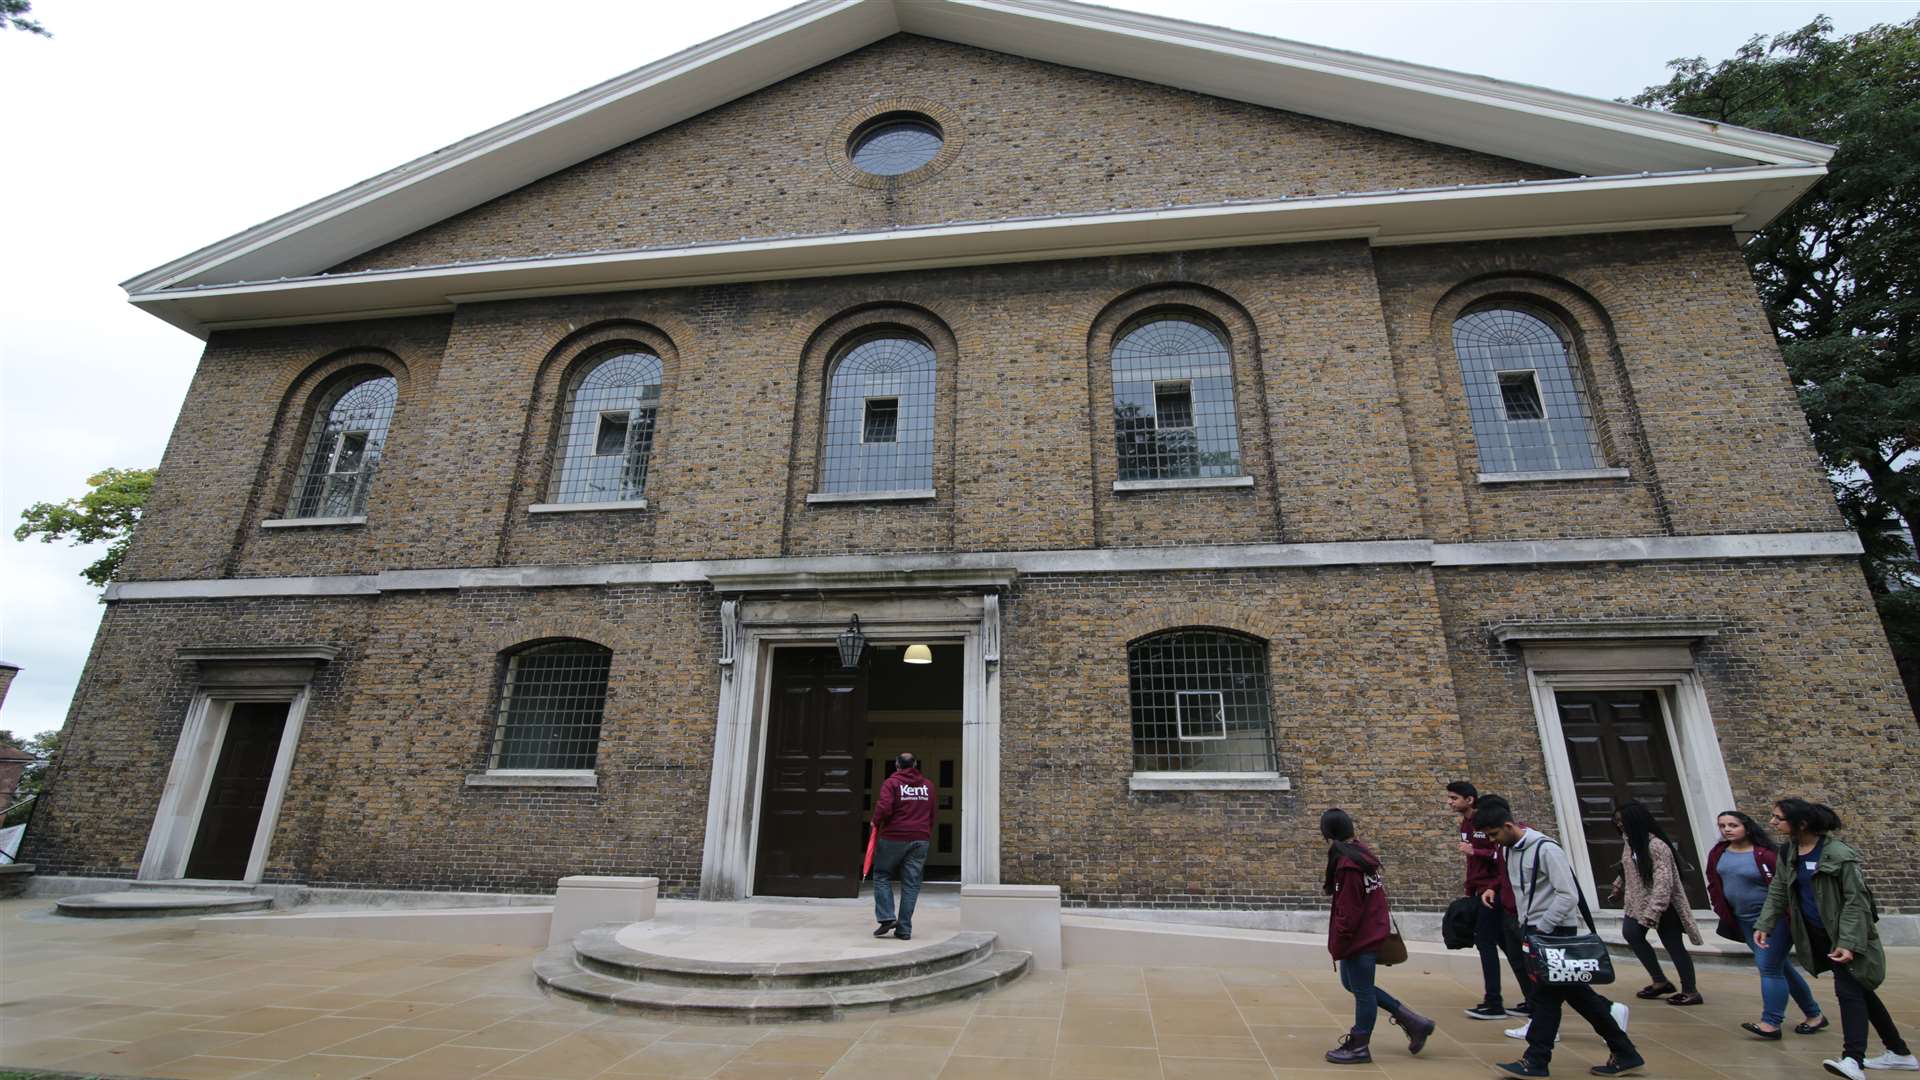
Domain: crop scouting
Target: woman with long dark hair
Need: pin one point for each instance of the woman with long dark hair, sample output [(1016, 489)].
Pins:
[(1655, 900), (1824, 897), (1359, 925), (1740, 868)]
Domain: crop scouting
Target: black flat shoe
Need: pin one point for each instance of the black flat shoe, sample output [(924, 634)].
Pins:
[(885, 929), (1809, 1027), (1759, 1032), (1654, 990)]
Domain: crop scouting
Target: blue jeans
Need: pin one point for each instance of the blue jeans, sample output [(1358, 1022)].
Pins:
[(903, 859), (1778, 976), (1356, 978)]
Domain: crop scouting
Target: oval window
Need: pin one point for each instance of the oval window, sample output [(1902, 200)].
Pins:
[(895, 144)]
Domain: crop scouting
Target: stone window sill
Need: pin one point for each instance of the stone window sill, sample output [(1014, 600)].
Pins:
[(827, 497), (313, 523), (1208, 781), (547, 778), (1182, 485), (583, 507), (1553, 474)]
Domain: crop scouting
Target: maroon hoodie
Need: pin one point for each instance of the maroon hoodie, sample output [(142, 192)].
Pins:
[(1483, 866), (1765, 858), (1360, 921), (904, 810)]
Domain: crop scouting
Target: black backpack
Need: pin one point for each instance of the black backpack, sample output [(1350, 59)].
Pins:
[(1457, 925)]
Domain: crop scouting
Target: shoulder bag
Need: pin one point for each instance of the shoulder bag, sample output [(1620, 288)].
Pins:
[(1394, 949), (1565, 959)]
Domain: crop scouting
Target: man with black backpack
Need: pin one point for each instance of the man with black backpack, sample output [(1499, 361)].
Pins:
[(1546, 897)]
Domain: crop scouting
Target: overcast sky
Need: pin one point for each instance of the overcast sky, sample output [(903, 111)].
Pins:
[(142, 131)]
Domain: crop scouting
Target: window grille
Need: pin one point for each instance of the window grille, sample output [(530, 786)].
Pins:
[(343, 450), (1200, 704), (1173, 414), (897, 145), (608, 441), (1524, 394), (551, 701), (879, 418)]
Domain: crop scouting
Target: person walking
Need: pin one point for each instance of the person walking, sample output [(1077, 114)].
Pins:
[(1825, 899), (1740, 869), (1510, 922), (903, 820), (1655, 900), (1541, 877), (1483, 884), (1359, 925)]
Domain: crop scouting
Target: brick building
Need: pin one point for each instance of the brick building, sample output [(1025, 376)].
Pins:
[(1245, 428)]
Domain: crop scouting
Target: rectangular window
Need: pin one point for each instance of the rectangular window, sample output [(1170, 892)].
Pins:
[(1202, 714), (946, 839), (1173, 404), (882, 421), (612, 435), (351, 453), (946, 773), (1520, 395)]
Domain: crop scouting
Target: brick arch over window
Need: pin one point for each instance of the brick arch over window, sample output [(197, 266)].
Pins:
[(1200, 701), (546, 471), (550, 704), (847, 366), (337, 418)]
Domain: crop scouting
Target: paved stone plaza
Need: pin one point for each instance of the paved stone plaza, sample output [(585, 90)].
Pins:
[(165, 999)]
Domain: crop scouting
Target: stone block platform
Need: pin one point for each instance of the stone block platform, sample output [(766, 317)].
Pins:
[(164, 899)]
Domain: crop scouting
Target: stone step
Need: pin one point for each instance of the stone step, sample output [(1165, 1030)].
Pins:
[(558, 972), (158, 904), (230, 888), (598, 950)]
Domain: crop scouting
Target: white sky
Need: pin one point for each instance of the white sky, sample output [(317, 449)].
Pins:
[(143, 130)]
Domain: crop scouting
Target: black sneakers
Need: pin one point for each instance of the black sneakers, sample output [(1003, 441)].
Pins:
[(1523, 1067), (1484, 1011), (885, 929), (1619, 1064)]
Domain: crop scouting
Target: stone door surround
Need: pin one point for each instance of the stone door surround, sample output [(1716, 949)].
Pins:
[(760, 611)]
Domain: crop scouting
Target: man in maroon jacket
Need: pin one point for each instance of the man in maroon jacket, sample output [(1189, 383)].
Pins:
[(1485, 875), (903, 815)]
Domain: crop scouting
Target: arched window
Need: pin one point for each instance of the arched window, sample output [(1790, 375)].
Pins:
[(551, 700), (1199, 702), (1173, 416), (879, 417), (608, 438), (1524, 394), (343, 451)]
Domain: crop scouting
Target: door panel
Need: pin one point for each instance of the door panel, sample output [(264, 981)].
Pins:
[(1617, 751), (811, 831), (237, 792)]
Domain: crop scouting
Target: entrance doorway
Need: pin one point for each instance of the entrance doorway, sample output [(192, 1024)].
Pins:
[(916, 708), (237, 791), (1618, 752)]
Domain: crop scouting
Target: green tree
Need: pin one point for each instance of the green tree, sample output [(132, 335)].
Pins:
[(108, 512), (13, 13), (1839, 272)]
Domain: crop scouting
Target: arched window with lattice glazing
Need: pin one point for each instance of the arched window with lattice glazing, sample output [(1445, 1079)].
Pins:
[(1200, 703), (878, 434), (1173, 413), (343, 450), (607, 443), (1525, 395), (552, 699)]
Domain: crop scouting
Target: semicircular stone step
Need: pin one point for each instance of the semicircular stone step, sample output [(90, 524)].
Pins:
[(158, 904), (558, 972), (598, 950)]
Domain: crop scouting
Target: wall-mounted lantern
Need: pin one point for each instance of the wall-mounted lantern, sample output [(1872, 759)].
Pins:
[(851, 642)]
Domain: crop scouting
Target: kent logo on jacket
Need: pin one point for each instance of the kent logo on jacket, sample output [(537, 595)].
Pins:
[(904, 808)]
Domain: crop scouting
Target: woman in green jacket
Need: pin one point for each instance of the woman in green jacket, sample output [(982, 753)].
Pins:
[(1821, 889)]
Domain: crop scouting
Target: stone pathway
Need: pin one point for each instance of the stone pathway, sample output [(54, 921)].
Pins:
[(164, 999)]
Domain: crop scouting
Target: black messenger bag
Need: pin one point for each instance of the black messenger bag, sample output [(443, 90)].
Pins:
[(1566, 959)]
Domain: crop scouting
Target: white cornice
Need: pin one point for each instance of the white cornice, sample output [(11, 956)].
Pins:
[(1580, 135), (1739, 198), (993, 567)]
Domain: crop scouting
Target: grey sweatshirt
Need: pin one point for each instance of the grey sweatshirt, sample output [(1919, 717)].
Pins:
[(1555, 897)]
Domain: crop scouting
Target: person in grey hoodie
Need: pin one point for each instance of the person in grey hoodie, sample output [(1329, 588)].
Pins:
[(1548, 899)]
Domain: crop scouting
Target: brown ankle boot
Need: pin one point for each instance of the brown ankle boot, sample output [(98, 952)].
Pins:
[(1352, 1049), (1416, 1026)]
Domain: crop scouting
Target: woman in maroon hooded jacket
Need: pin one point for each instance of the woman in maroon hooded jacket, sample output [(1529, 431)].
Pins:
[(1358, 928)]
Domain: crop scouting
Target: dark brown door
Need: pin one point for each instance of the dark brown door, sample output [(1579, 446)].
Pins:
[(231, 819), (811, 843), (1617, 748)]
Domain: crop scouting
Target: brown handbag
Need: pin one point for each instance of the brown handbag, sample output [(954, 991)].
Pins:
[(1393, 950)]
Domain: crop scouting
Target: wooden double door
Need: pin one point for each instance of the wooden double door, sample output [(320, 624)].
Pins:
[(1618, 751), (812, 832)]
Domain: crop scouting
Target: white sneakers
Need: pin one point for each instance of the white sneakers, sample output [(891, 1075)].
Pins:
[(1891, 1060), (1843, 1066), (1619, 1012)]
